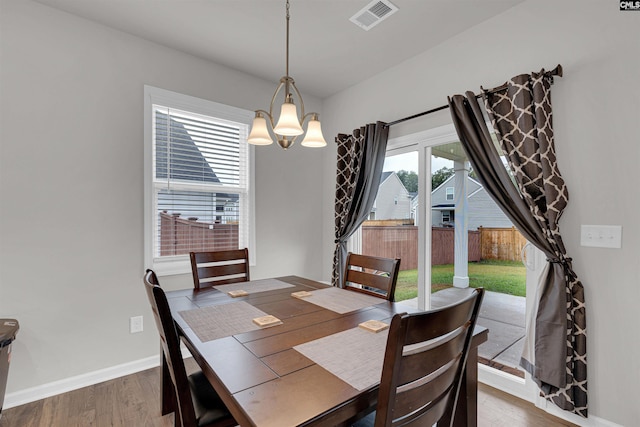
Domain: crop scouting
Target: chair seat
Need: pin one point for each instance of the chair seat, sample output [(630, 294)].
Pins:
[(209, 408), (367, 421)]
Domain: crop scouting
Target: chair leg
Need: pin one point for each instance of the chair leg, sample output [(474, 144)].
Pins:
[(168, 393), (467, 406)]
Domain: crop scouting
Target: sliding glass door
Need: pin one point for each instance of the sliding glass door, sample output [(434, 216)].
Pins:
[(404, 222), (433, 214)]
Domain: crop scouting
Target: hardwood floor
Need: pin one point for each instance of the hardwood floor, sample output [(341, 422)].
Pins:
[(499, 409), (133, 401)]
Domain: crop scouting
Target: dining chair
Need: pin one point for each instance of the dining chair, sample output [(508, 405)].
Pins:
[(197, 403), (371, 275), (219, 267), (423, 365)]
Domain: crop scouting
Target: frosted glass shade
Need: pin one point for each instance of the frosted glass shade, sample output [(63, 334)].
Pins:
[(288, 123), (314, 137), (259, 134)]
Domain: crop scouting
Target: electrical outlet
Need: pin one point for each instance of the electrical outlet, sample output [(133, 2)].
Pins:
[(135, 324)]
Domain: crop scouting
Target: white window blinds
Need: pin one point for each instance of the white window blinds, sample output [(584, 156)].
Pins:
[(200, 175)]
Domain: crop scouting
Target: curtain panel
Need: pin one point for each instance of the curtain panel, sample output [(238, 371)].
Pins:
[(533, 197), (360, 160)]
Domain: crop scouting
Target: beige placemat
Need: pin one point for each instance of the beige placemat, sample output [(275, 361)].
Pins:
[(255, 286), (340, 300), (218, 321), (355, 355)]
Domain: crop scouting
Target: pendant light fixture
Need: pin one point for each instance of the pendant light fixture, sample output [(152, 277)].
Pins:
[(290, 122)]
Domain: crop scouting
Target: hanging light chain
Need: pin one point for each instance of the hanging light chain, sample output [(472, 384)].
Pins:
[(287, 52)]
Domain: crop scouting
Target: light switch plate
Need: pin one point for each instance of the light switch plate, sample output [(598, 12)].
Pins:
[(601, 236)]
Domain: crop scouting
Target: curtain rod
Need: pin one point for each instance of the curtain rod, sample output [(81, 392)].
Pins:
[(555, 72)]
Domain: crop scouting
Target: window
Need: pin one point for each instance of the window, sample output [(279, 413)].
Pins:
[(446, 216), (198, 179), (449, 193)]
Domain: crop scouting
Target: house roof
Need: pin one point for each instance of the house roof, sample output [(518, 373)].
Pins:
[(385, 175), (449, 179), (185, 154)]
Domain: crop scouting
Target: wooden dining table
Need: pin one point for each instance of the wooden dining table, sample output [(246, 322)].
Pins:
[(262, 375)]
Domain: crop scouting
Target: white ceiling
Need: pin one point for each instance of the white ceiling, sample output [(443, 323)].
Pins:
[(328, 53)]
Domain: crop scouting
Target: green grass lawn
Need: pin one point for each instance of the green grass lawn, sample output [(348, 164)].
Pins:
[(507, 277)]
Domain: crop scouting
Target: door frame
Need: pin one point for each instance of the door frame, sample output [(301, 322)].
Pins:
[(422, 142)]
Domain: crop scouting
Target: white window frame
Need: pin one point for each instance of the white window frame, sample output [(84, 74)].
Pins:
[(180, 264), (449, 191)]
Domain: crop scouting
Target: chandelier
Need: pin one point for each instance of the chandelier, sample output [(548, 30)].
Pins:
[(290, 123)]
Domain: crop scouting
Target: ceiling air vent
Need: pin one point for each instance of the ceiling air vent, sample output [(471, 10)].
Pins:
[(373, 14)]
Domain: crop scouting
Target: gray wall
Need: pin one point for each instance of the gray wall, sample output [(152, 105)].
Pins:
[(71, 188), (596, 110)]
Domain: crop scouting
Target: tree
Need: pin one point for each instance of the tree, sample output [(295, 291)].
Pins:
[(409, 180), (440, 176)]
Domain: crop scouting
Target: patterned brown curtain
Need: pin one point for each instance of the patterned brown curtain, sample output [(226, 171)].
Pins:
[(360, 160), (522, 118)]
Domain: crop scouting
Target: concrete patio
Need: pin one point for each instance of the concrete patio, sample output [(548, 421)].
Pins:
[(503, 315)]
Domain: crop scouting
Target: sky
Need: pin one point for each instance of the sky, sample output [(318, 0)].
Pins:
[(409, 162)]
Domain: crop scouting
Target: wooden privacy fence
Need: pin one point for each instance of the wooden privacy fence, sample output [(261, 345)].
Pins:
[(501, 243), (180, 236), (401, 241)]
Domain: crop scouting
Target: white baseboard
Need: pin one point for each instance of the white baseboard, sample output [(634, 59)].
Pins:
[(502, 381), (515, 386), (62, 386), (90, 378), (592, 421)]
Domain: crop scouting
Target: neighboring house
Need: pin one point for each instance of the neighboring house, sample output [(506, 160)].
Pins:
[(483, 211), (414, 207), (185, 152), (393, 200)]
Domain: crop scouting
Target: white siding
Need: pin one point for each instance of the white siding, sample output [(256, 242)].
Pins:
[(393, 200), (484, 212), (438, 196)]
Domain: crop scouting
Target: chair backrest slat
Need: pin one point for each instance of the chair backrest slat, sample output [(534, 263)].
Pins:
[(439, 322), (429, 414), (371, 275), (424, 361), (427, 390), (219, 267)]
